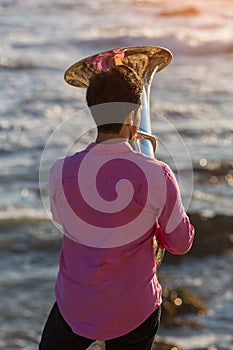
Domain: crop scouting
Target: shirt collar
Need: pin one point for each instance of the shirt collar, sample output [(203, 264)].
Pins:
[(120, 147)]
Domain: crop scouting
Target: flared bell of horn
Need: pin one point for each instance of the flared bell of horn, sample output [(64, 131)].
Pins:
[(145, 61)]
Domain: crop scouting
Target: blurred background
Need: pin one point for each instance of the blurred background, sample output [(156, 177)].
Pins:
[(191, 115)]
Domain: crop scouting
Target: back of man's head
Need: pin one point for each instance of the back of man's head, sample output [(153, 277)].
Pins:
[(112, 95)]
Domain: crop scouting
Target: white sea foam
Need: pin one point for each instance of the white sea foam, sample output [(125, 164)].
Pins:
[(23, 215)]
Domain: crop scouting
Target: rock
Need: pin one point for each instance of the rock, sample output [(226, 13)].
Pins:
[(159, 344), (213, 235), (178, 302)]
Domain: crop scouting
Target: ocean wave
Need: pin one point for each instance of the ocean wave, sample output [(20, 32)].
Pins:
[(11, 64), (14, 64), (178, 44), (195, 44), (16, 217), (217, 173), (217, 167), (27, 229)]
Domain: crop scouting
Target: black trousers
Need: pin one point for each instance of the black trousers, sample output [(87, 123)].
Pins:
[(58, 335)]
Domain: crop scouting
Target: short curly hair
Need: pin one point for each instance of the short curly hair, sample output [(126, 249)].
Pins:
[(112, 95)]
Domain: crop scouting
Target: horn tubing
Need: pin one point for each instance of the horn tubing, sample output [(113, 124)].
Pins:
[(145, 146), (145, 125)]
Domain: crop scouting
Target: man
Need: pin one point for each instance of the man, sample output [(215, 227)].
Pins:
[(111, 202)]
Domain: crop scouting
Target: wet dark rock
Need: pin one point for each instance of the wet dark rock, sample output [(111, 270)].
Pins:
[(162, 345), (178, 302), (217, 167), (213, 172), (158, 344), (213, 236)]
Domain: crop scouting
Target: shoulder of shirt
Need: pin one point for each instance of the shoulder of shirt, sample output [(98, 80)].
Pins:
[(156, 164), (152, 161), (58, 164), (56, 167)]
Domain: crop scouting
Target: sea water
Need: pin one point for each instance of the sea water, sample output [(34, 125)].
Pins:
[(191, 116)]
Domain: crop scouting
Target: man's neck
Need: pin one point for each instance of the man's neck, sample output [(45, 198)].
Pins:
[(122, 136), (110, 138)]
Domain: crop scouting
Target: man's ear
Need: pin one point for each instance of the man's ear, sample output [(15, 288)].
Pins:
[(130, 118)]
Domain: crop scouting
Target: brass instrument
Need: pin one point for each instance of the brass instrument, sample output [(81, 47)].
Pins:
[(146, 61)]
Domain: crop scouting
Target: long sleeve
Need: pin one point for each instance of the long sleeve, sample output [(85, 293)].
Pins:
[(175, 233), (53, 187)]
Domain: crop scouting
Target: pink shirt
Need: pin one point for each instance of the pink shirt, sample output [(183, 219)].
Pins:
[(111, 201)]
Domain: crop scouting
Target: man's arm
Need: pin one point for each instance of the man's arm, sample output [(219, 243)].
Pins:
[(175, 233), (54, 180)]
